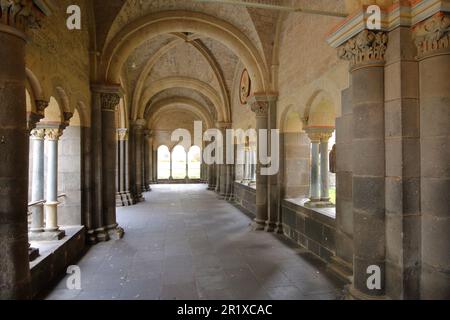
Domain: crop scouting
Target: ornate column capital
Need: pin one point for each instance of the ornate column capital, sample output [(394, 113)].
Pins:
[(109, 101), (319, 134), (139, 125), (37, 134), (368, 47), (122, 134), (433, 35), (53, 134), (260, 104)]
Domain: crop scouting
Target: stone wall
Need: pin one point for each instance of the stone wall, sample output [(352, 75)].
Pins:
[(310, 229), (69, 177), (245, 197)]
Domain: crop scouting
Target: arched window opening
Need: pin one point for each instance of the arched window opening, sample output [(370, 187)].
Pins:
[(163, 163), (194, 163), (179, 162)]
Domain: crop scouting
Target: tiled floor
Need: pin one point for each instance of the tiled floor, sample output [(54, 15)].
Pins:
[(183, 243)]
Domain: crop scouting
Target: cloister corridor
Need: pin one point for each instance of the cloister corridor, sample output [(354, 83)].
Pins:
[(182, 243)]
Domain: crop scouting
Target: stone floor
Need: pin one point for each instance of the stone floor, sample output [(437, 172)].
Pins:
[(183, 243)]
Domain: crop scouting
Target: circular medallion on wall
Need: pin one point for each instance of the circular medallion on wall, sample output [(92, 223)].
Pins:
[(246, 86)]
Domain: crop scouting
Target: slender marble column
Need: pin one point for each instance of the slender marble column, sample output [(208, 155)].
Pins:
[(51, 204), (187, 167), (432, 38), (37, 182), (367, 78), (325, 168), (119, 185), (314, 136)]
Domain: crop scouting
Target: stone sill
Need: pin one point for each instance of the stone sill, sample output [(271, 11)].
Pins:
[(325, 215), (251, 187), (54, 257)]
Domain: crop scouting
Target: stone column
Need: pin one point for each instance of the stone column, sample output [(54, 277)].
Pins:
[(14, 149), (223, 168), (260, 105), (342, 263), (366, 55), (121, 133), (432, 38), (314, 136), (155, 166), (119, 180), (149, 161), (138, 135), (51, 204), (146, 161), (37, 182), (109, 103), (171, 165), (187, 167)]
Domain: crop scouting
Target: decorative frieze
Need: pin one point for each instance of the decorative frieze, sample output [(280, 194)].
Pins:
[(109, 101), (365, 48), (432, 35)]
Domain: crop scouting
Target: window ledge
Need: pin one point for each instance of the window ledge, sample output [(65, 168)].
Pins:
[(328, 212), (250, 186)]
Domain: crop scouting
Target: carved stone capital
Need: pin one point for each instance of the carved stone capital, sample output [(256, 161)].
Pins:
[(317, 135), (122, 134), (109, 101), (367, 47), (37, 134), (20, 14), (433, 35), (53, 134)]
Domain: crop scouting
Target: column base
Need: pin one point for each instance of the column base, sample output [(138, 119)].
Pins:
[(115, 232), (33, 254), (91, 238), (319, 204), (279, 228), (341, 269), (101, 235), (119, 200), (46, 235), (259, 225), (271, 226), (354, 294)]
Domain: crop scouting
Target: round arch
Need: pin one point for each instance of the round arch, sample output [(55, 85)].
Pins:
[(150, 26), (180, 103), (180, 82)]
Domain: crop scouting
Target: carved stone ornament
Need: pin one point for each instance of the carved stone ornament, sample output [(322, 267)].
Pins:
[(109, 101), (366, 47), (53, 134), (122, 134), (245, 88), (37, 134), (433, 35), (260, 108), (41, 105), (20, 14)]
